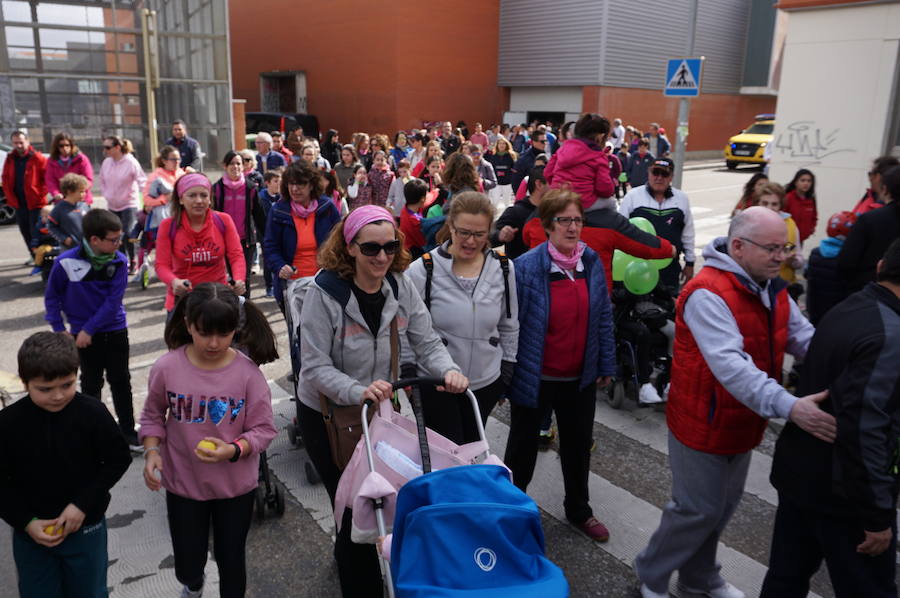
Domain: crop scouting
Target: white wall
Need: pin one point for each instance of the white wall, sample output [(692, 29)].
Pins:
[(834, 103), (545, 99)]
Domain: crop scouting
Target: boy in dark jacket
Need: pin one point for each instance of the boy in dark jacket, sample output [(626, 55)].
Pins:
[(825, 287), (60, 454), (639, 164), (269, 195), (510, 225), (65, 219), (87, 285), (838, 502)]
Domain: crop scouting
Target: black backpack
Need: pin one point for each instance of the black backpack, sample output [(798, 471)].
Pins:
[(428, 262)]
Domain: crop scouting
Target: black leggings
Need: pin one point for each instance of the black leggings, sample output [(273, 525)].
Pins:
[(638, 335), (358, 568), (189, 527), (450, 415)]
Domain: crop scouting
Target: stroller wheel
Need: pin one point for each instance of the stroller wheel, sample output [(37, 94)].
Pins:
[(260, 500), (311, 475), (279, 501), (292, 434), (616, 396)]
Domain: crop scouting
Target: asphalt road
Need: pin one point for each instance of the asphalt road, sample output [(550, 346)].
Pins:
[(291, 555)]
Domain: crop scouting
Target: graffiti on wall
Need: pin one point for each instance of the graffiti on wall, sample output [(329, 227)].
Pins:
[(806, 140)]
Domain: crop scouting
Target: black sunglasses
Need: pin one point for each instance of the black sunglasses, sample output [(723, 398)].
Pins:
[(371, 249), (659, 172)]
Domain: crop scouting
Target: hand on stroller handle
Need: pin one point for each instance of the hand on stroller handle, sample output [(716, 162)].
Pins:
[(453, 382)]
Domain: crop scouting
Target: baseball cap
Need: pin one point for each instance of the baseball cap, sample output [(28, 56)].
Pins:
[(663, 163)]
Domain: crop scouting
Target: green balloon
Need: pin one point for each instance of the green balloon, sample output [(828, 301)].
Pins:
[(643, 224), (620, 261), (640, 277), (661, 263)]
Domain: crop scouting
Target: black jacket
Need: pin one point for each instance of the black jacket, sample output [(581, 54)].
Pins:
[(825, 287), (48, 460), (854, 354), (867, 242), (515, 216), (254, 215), (523, 167)]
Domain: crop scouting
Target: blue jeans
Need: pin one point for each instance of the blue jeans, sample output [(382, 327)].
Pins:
[(128, 216), (27, 219), (74, 569)]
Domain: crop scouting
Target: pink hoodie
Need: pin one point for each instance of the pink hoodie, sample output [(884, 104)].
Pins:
[(585, 168), (79, 164), (186, 403)]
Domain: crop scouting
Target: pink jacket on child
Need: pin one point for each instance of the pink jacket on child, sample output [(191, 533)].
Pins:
[(186, 403), (586, 169)]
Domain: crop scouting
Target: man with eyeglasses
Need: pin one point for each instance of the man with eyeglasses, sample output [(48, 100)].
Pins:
[(734, 322), (526, 160), (24, 184), (188, 147), (669, 211)]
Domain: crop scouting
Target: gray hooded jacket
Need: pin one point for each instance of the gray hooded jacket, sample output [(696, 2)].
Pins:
[(339, 355), (474, 326)]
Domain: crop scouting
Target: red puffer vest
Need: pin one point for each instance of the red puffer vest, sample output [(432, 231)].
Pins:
[(701, 413)]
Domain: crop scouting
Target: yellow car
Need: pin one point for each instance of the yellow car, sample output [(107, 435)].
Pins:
[(749, 146)]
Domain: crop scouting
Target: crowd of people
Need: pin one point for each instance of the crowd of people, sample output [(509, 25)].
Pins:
[(486, 259)]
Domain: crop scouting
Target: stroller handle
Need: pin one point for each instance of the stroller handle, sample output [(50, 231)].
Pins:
[(423, 381)]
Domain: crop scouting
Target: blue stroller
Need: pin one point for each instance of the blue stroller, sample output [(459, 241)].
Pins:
[(465, 530)]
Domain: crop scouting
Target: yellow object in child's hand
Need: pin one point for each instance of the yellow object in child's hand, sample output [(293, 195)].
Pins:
[(206, 445), (52, 530)]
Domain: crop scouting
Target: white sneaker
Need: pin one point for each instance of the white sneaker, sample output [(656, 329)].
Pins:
[(648, 593), (648, 395), (726, 591), (188, 593)]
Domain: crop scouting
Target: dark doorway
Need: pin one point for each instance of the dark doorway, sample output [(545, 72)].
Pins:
[(557, 118)]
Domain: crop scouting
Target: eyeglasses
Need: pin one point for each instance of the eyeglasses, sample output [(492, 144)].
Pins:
[(116, 241), (538, 141), (464, 234), (108, 147), (568, 221), (172, 159), (659, 172), (476, 153), (371, 249), (772, 249)]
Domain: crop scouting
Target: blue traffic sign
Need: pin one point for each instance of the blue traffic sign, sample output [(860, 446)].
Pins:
[(683, 77)]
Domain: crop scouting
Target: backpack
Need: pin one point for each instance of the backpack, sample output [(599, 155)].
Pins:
[(428, 262)]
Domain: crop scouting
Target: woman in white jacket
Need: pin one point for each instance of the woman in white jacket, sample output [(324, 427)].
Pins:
[(471, 293)]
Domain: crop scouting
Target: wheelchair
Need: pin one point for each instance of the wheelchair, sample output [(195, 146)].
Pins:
[(654, 311)]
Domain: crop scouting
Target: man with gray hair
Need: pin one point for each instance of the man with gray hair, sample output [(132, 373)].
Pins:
[(617, 135), (734, 322), (266, 159)]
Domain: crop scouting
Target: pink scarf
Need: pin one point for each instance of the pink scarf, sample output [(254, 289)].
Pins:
[(301, 212), (566, 262), (233, 185)]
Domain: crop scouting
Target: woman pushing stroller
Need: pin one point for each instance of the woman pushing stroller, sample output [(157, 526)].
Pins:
[(346, 352)]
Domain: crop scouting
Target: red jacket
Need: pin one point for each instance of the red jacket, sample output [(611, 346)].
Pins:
[(868, 203), (701, 413), (606, 230), (35, 185), (585, 168), (804, 212)]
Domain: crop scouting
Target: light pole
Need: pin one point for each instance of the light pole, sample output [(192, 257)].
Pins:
[(684, 104)]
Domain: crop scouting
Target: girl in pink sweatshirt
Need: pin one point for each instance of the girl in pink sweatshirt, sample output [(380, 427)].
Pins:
[(581, 164), (207, 417)]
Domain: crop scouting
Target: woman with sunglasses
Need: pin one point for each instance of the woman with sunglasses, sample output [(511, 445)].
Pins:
[(121, 181), (161, 182), (471, 294), (566, 349), (65, 157), (345, 352)]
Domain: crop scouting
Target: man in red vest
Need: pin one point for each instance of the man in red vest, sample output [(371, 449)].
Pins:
[(734, 322)]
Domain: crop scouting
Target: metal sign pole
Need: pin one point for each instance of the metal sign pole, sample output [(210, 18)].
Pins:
[(684, 105)]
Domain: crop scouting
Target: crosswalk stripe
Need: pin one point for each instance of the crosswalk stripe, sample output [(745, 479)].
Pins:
[(649, 428)]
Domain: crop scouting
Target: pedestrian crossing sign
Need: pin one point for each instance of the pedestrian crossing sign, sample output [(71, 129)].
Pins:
[(683, 77)]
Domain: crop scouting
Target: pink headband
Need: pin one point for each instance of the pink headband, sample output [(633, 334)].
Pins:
[(362, 216), (193, 179)]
